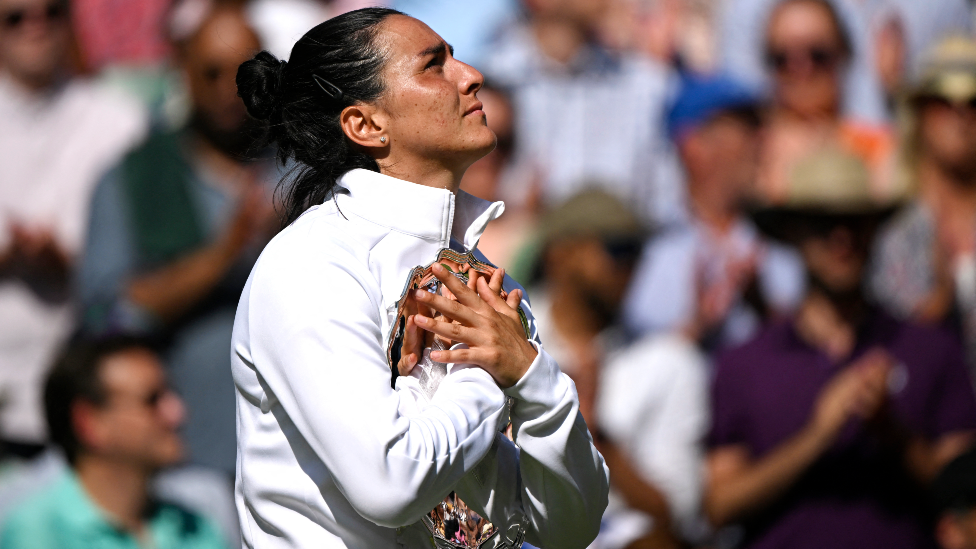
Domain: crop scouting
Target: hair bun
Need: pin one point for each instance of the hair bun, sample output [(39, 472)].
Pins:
[(259, 84)]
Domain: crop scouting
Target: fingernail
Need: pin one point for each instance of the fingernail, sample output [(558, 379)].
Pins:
[(436, 355), (420, 294), (420, 319)]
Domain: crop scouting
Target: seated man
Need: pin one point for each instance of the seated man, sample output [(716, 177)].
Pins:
[(954, 500), (713, 275), (645, 402), (826, 425), (109, 408)]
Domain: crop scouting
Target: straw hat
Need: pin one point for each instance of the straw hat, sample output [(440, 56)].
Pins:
[(829, 183), (591, 213), (948, 71)]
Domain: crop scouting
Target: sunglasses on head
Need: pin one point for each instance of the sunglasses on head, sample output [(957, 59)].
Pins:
[(820, 57), (52, 12)]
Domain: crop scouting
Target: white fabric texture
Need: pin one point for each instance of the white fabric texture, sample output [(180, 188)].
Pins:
[(329, 455), (653, 403), (56, 146)]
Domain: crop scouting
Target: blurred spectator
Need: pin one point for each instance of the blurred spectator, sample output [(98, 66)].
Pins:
[(585, 114), (136, 35), (175, 229), (649, 411), (903, 30), (926, 259), (744, 41), (826, 426), (58, 134), (694, 277), (110, 410), (954, 498), (468, 26), (807, 53)]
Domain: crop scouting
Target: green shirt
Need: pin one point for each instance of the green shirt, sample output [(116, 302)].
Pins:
[(64, 517)]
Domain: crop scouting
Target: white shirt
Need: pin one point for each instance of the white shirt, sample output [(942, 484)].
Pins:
[(562, 128), (329, 455), (56, 146), (663, 293), (653, 403)]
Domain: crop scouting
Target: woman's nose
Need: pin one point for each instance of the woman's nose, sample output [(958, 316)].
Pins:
[(471, 79)]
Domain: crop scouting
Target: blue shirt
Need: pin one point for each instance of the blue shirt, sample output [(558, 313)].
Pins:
[(64, 517)]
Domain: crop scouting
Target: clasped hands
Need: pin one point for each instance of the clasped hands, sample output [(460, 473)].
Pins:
[(479, 314)]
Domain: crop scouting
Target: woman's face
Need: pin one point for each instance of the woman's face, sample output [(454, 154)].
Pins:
[(430, 104), (805, 56)]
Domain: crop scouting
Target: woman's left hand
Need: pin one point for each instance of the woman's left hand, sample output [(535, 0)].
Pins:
[(480, 318)]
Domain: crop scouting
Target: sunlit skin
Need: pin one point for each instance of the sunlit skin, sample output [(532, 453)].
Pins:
[(210, 60), (138, 423), (128, 437), (957, 530), (803, 89), (948, 137), (35, 52), (428, 127), (721, 159), (430, 114)]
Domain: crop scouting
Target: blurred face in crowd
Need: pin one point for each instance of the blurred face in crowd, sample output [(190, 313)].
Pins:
[(584, 12), (483, 176), (957, 530), (805, 57), (599, 270), (724, 152), (210, 59), (835, 251), (430, 108), (34, 39), (138, 422), (948, 135)]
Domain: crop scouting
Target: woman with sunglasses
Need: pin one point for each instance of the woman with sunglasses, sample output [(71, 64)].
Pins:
[(807, 54), (348, 433)]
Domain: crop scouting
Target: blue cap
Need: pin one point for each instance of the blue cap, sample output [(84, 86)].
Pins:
[(701, 98)]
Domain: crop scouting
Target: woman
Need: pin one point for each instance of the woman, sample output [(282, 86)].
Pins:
[(384, 122), (808, 50)]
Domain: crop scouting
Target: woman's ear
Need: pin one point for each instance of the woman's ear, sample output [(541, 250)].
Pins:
[(365, 126)]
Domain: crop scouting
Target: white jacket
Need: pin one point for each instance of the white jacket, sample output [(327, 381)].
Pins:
[(329, 455)]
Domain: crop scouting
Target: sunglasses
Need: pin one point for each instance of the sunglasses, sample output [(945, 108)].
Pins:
[(940, 101), (52, 13), (821, 58)]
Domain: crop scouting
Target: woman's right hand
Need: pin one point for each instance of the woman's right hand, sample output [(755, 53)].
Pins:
[(489, 325)]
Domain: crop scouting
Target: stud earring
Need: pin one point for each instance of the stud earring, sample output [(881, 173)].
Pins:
[(382, 140)]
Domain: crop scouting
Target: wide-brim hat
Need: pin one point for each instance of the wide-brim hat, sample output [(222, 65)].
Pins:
[(948, 70), (828, 184), (592, 212)]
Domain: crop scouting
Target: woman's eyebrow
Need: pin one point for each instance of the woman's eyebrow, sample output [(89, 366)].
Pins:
[(438, 49)]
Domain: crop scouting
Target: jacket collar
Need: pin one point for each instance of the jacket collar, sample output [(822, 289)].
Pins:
[(430, 214)]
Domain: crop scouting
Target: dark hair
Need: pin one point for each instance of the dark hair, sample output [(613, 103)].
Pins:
[(76, 376), (843, 32), (336, 64)]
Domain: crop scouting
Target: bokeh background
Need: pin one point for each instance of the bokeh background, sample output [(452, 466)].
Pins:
[(745, 225)]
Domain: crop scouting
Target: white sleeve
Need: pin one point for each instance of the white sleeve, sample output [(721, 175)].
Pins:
[(555, 477), (654, 403), (316, 344)]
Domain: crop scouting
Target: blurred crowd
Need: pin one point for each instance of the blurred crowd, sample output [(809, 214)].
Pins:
[(748, 230)]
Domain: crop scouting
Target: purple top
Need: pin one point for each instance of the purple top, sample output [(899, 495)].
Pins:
[(858, 494)]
